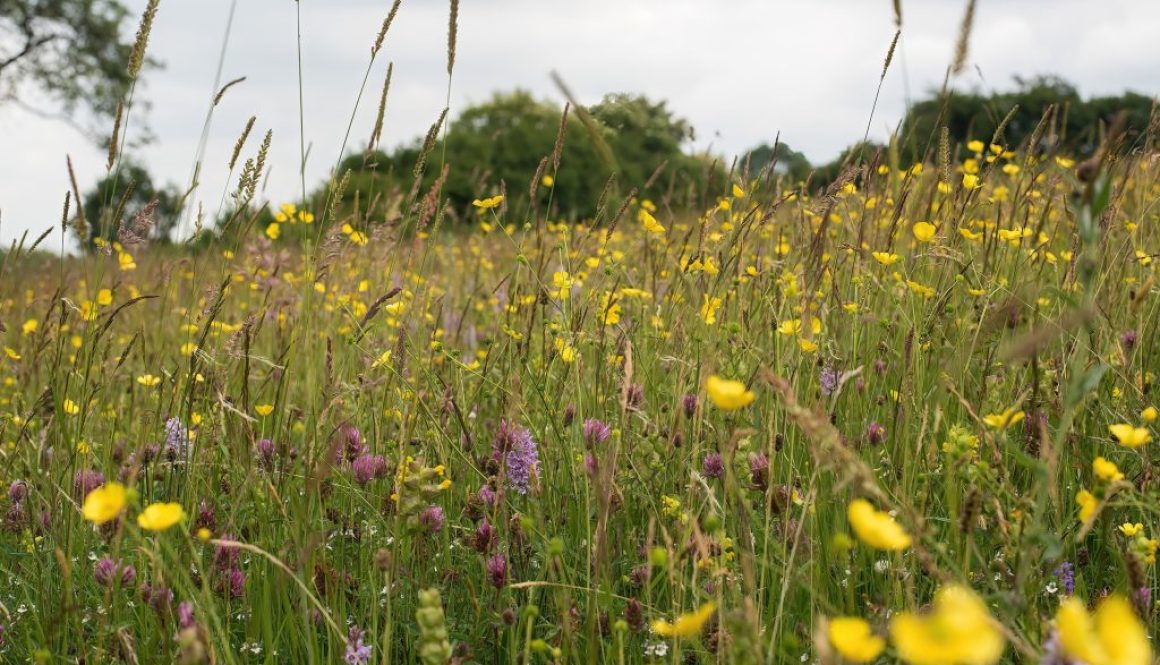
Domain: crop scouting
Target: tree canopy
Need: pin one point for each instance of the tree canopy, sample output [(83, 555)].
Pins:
[(968, 116), (789, 162), (975, 115), (71, 51), (124, 192), (505, 139)]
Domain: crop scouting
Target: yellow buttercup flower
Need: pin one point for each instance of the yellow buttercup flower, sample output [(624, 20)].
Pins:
[(610, 310), (1088, 504), (71, 408), (885, 258), (790, 327), (488, 203), (650, 223), (158, 517), (1129, 436), (1131, 530), (1113, 635), (854, 639), (1106, 471), (959, 631), (264, 409), (727, 394), (876, 528), (104, 503), (1013, 236), (273, 230), (709, 309), (1004, 420), (923, 231), (1149, 414), (685, 625), (921, 289), (148, 380), (383, 359)]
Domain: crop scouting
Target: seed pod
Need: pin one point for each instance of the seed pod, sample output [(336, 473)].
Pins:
[(434, 647)]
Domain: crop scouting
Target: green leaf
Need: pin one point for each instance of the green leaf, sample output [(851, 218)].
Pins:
[(1085, 384)]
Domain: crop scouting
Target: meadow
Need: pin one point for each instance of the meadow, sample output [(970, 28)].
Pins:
[(908, 417)]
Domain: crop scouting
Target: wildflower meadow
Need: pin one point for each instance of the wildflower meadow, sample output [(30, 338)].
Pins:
[(906, 416)]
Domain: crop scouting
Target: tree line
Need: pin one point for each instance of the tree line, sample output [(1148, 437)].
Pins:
[(573, 162)]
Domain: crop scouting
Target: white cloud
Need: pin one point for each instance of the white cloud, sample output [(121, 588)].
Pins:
[(740, 70)]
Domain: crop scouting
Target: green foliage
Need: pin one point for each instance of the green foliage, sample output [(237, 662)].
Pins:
[(974, 115), (642, 134), (505, 139), (1075, 128), (106, 205), (71, 50), (826, 174), (793, 164)]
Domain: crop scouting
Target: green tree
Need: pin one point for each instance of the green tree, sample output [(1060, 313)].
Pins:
[(642, 135), (790, 162), (501, 140), (973, 115), (106, 206), (70, 50), (505, 139), (825, 175)]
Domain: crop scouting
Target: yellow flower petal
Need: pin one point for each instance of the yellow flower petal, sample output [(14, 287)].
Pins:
[(727, 394), (685, 625), (158, 517), (876, 528), (854, 639), (104, 503)]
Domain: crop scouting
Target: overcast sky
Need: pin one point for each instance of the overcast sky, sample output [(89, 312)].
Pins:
[(739, 70)]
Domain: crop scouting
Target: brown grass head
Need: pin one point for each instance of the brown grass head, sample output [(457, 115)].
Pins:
[(241, 142), (137, 56), (452, 35), (386, 26), (962, 46)]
